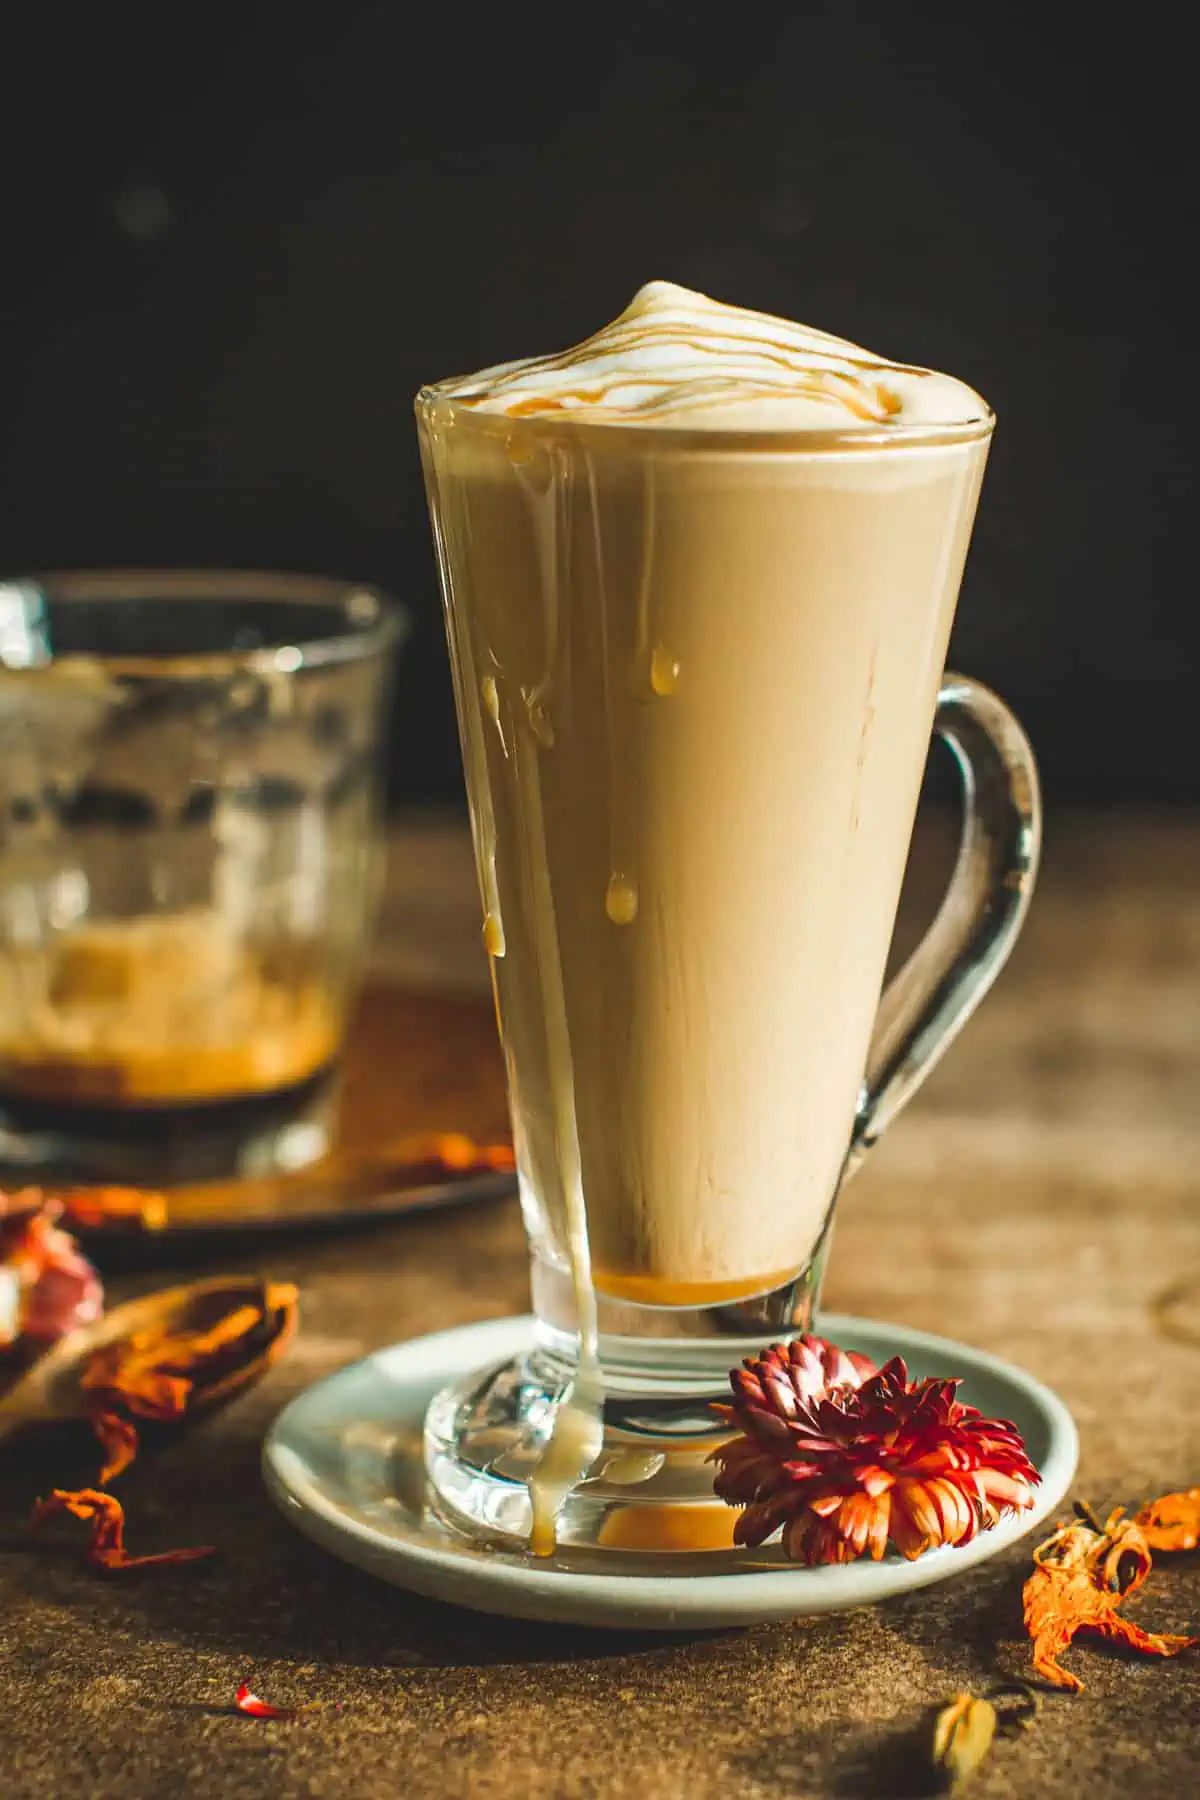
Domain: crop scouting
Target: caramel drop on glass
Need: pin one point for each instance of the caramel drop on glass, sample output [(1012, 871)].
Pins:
[(664, 671), (621, 900)]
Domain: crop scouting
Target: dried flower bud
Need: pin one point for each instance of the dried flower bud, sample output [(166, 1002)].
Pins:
[(962, 1737)]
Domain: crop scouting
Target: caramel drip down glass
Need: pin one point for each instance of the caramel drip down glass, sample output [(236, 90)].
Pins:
[(696, 675)]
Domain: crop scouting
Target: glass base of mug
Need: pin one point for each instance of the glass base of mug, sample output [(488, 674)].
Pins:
[(663, 1368), (59, 1142)]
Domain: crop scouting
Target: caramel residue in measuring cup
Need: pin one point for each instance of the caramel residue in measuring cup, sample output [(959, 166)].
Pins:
[(171, 1007)]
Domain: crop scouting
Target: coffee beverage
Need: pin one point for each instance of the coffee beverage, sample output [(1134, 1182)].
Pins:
[(696, 663), (699, 574)]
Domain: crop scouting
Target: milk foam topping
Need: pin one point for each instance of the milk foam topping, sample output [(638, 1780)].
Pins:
[(674, 357)]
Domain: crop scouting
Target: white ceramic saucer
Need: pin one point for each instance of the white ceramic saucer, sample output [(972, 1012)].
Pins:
[(343, 1461)]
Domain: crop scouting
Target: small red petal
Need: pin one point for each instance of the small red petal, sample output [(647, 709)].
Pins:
[(880, 1526), (782, 1395), (825, 1505), (814, 1541), (802, 1471), (857, 1521), (955, 1510), (757, 1524), (253, 1708), (1003, 1490), (915, 1500), (768, 1425), (908, 1540)]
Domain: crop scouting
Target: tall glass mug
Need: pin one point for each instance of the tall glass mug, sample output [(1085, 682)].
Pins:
[(189, 854), (696, 674)]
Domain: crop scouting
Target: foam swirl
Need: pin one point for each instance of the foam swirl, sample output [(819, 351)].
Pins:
[(674, 357)]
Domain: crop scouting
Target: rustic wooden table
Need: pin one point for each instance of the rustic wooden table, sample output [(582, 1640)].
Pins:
[(1038, 1199)]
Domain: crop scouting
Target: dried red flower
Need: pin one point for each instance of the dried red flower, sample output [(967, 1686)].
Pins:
[(847, 1458), (1172, 1523), (47, 1285), (106, 1547), (1080, 1579)]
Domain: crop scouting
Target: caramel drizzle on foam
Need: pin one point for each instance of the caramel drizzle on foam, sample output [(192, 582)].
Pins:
[(813, 365)]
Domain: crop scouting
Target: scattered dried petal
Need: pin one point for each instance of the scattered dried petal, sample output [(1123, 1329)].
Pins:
[(847, 1458), (118, 1440), (1172, 1523), (249, 1703), (161, 1374), (254, 1708), (49, 1287), (1080, 1579), (962, 1737), (106, 1547), (434, 1154), (113, 1208)]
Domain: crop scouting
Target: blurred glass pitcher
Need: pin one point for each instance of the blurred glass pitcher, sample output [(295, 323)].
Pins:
[(189, 861)]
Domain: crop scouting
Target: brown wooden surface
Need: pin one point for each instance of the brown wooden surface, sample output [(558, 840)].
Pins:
[(420, 1062), (1039, 1199)]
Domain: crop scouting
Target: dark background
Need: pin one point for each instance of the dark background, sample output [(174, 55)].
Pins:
[(236, 240)]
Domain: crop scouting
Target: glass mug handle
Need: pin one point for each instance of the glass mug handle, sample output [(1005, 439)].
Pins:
[(927, 1004)]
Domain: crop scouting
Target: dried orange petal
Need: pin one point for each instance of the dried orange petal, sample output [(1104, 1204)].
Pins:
[(1173, 1522), (1077, 1586), (160, 1374), (106, 1547)]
